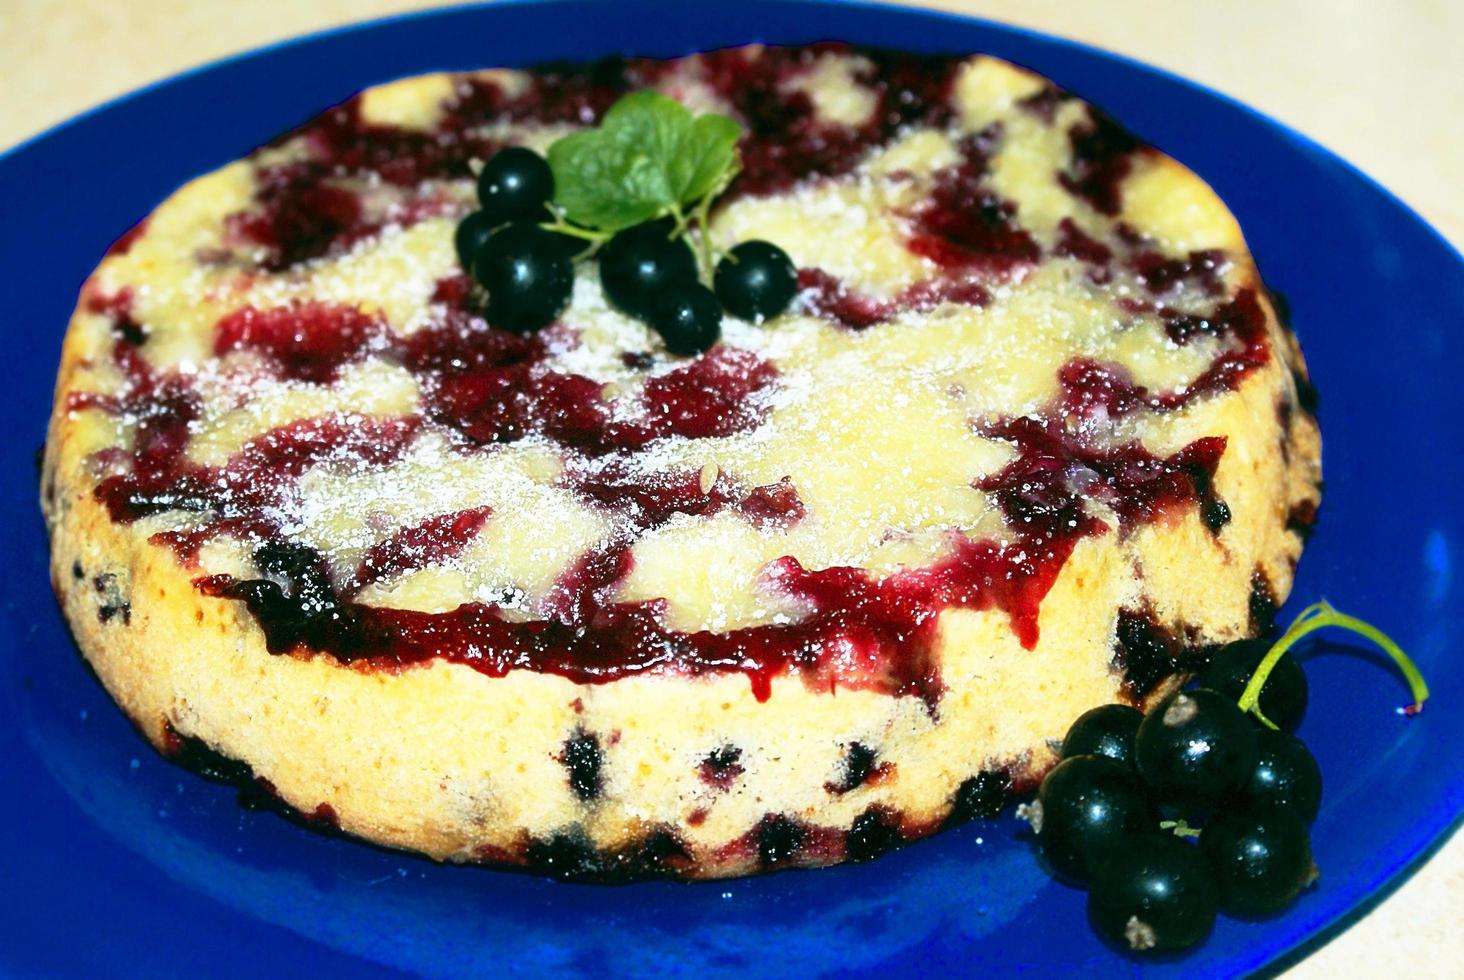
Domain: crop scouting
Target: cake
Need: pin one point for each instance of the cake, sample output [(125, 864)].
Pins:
[(1031, 438)]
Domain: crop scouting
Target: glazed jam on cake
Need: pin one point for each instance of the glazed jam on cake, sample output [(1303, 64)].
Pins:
[(1029, 439)]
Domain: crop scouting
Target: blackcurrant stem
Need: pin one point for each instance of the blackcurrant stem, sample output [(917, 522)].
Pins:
[(706, 251), (563, 227), (681, 223), (1179, 828), (1315, 617)]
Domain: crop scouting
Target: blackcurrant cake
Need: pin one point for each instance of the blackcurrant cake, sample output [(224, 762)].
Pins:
[(677, 468)]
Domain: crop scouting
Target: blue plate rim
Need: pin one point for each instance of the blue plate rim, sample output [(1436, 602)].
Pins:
[(1429, 835)]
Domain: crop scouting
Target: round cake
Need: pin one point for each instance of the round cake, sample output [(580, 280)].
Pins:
[(1030, 438)]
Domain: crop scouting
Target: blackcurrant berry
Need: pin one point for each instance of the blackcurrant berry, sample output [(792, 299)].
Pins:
[(514, 185), (756, 280), (639, 264), (1084, 806), (1261, 860), (527, 274), (1155, 892), (471, 235), (1283, 699), (1195, 747), (688, 318), (1285, 776), (1106, 730)]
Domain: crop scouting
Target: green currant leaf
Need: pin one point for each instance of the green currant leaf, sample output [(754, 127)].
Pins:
[(707, 152), (648, 157), (599, 185)]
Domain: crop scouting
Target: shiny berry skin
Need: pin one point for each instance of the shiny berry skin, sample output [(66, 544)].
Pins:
[(639, 264), (1084, 806), (1261, 860), (527, 274), (688, 318), (1284, 777), (1154, 893), (1106, 730), (756, 280), (514, 185), (1283, 699), (1195, 747), (471, 235)]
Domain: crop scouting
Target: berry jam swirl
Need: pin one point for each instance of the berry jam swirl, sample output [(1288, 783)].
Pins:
[(624, 422)]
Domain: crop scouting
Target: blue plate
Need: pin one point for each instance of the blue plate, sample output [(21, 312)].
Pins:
[(121, 863)]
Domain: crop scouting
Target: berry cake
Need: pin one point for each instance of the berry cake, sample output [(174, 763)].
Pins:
[(1030, 438)]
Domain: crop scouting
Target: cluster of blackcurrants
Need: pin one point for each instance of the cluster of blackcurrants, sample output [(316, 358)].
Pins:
[(1119, 808), (647, 270)]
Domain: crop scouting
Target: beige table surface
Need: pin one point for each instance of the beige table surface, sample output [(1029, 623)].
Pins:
[(1378, 82)]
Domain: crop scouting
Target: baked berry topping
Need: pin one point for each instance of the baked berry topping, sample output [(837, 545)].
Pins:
[(300, 215), (775, 505), (787, 142), (965, 225), (303, 341), (1102, 156), (430, 541)]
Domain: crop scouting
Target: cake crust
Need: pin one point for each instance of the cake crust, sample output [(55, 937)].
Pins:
[(696, 770)]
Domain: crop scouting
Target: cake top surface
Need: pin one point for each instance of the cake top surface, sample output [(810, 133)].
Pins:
[(1007, 306)]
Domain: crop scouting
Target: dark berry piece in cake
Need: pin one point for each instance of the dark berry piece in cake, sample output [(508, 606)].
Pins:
[(858, 765), (982, 796), (778, 840), (528, 277), (1285, 776), (873, 832), (582, 759), (688, 318), (515, 185), (639, 264), (1144, 650), (1284, 696), (1261, 861), (564, 856), (756, 280), (1154, 893), (1106, 730), (471, 235), (721, 767), (1196, 747), (1085, 806)]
